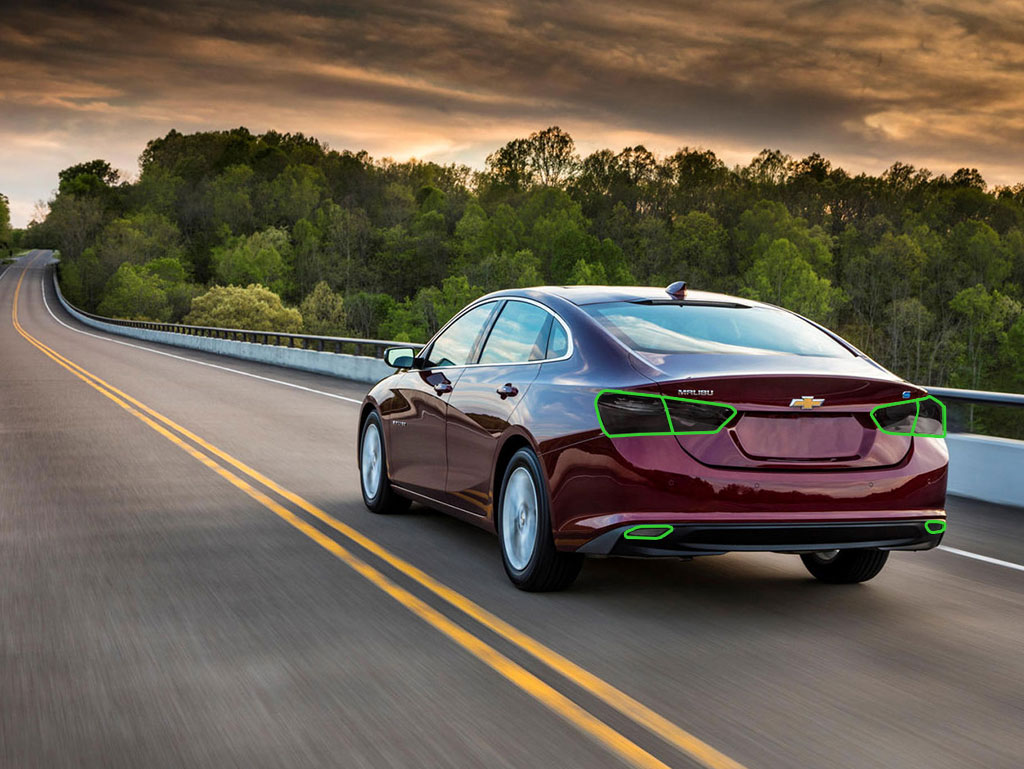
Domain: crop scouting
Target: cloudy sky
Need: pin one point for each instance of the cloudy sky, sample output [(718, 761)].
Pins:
[(937, 84)]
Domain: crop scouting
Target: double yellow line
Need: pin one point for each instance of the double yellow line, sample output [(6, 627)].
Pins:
[(615, 742)]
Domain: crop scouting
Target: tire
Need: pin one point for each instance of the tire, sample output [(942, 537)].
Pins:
[(845, 567), (524, 530), (378, 495)]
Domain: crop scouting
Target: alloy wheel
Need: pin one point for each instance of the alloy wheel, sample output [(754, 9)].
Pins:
[(370, 465), (519, 518)]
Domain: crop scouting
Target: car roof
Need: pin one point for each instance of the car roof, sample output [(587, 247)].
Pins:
[(583, 295)]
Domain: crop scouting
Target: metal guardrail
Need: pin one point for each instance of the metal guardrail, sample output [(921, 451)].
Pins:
[(980, 397), (331, 344), (334, 344), (982, 412)]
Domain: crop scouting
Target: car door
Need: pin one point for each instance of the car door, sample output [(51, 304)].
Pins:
[(415, 414), (487, 394)]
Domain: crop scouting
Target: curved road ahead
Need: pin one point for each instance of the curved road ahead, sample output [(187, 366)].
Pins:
[(188, 578)]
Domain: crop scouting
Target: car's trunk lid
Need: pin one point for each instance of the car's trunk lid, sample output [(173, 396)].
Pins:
[(800, 419)]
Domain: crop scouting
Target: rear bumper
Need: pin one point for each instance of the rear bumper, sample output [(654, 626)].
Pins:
[(690, 539), (601, 484)]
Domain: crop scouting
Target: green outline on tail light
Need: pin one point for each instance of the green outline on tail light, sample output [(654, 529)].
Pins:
[(628, 533), (668, 418), (913, 428), (941, 523)]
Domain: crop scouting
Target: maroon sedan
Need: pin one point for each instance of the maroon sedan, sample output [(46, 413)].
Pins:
[(612, 421)]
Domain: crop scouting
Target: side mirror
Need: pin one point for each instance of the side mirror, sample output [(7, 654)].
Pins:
[(399, 357)]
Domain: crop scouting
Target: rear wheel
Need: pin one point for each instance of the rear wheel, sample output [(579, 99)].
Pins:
[(524, 528), (844, 567), (378, 495)]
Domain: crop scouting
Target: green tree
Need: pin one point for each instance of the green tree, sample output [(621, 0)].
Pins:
[(263, 258), (985, 318), (696, 178), (253, 307), (6, 233), (552, 157), (346, 246), (414, 256), (471, 234), (1011, 358), (323, 312), (978, 255), (137, 238), (416, 319), (783, 277), (510, 167), (134, 293), (366, 312), (479, 235), (159, 191), (768, 221), (72, 224), (646, 243), (93, 177), (608, 254), (909, 324), (174, 280), (768, 169), (560, 240), (584, 273), (498, 271), (230, 199), (700, 254), (878, 276), (295, 194), (309, 262)]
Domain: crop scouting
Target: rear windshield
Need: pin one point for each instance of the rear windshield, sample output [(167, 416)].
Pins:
[(680, 328)]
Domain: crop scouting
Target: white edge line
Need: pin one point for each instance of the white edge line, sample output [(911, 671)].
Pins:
[(984, 558), (42, 287)]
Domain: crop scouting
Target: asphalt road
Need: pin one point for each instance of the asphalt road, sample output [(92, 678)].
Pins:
[(155, 612)]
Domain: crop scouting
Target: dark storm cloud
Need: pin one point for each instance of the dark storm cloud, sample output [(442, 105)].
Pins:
[(865, 83)]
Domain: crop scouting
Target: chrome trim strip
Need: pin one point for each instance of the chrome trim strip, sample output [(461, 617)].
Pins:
[(568, 334), (429, 500)]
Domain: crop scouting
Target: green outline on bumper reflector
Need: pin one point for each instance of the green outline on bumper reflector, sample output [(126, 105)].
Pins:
[(939, 523), (629, 533)]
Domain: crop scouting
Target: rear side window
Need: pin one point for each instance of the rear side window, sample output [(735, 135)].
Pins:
[(558, 341), (455, 344), (519, 335), (683, 328)]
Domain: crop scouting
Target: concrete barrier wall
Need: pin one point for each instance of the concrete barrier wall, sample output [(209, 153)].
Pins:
[(357, 367), (990, 469)]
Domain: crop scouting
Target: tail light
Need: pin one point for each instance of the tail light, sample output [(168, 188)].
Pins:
[(689, 417), (922, 417), (624, 414)]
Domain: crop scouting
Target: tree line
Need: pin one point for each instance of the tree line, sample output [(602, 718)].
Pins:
[(924, 272), (7, 243)]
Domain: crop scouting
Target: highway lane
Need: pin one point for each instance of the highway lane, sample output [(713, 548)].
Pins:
[(155, 615)]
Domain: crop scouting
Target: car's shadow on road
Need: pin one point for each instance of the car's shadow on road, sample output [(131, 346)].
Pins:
[(747, 585)]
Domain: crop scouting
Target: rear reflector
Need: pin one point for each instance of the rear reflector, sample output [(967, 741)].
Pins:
[(648, 531)]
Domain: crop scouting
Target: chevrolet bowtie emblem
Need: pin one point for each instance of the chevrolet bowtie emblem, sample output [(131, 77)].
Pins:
[(806, 402)]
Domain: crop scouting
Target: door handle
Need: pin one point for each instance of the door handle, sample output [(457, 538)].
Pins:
[(507, 391), (442, 388)]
